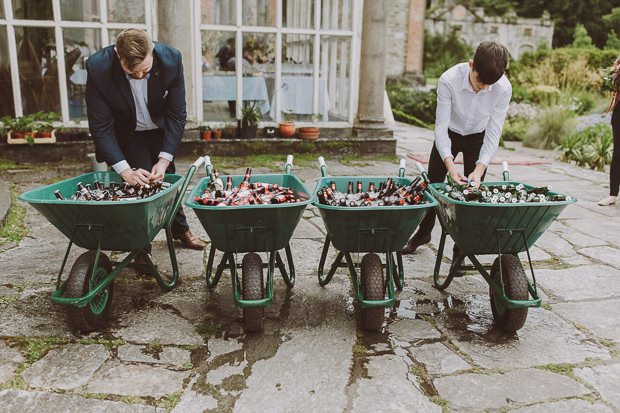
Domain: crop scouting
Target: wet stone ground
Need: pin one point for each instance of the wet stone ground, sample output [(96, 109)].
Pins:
[(185, 350)]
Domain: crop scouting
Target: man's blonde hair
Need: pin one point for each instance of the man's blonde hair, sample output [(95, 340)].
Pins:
[(133, 46)]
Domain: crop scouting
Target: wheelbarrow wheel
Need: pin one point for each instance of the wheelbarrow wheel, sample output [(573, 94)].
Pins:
[(80, 282), (515, 286), (252, 287), (373, 289)]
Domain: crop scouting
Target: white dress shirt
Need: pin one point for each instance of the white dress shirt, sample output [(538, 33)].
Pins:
[(139, 91), (465, 112)]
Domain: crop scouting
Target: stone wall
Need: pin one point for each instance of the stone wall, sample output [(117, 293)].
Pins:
[(397, 20)]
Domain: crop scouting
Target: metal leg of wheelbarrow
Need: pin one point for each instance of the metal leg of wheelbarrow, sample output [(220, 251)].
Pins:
[(454, 268)]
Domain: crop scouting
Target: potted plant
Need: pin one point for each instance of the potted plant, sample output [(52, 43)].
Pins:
[(43, 124), (205, 132), (229, 130), (287, 127), (250, 117), (20, 129), (311, 133), (216, 132)]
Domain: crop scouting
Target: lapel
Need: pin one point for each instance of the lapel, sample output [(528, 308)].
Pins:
[(123, 86), (154, 83)]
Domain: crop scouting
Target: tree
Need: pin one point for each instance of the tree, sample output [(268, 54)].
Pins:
[(581, 37), (613, 43)]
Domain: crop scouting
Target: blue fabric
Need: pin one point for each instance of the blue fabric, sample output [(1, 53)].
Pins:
[(222, 87)]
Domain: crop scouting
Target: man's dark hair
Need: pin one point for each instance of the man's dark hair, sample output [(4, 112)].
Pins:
[(490, 62)]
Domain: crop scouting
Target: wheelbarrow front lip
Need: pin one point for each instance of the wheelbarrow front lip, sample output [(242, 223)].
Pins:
[(443, 197)]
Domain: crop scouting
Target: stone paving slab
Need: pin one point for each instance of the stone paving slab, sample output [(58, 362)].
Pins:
[(413, 330), (604, 379), (597, 316), (387, 388), (193, 401), (9, 361), (167, 355), (473, 392), (68, 367), (544, 339), (36, 402), (158, 325), (605, 255), (438, 359), (136, 380), (566, 406), (580, 283)]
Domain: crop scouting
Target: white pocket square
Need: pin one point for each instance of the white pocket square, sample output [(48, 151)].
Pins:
[(165, 94)]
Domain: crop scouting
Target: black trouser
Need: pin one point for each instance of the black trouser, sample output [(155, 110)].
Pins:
[(142, 152), (614, 172), (470, 146)]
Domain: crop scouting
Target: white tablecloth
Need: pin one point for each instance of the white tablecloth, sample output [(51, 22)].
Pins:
[(297, 96), (224, 87)]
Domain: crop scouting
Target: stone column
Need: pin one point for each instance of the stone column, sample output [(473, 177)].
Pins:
[(173, 28), (415, 39), (370, 120)]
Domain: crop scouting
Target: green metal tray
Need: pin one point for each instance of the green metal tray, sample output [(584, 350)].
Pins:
[(475, 227), (370, 229), (127, 226), (251, 228)]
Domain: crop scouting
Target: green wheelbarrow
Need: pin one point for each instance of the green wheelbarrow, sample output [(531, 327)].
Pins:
[(251, 229), (370, 230), (106, 225), (502, 229)]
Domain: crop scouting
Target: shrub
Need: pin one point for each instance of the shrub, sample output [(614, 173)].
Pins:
[(520, 94), (514, 129), (550, 128), (545, 95), (414, 102), (591, 146), (443, 52)]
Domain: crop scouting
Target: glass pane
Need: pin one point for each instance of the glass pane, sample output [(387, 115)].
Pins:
[(218, 12), (259, 13), (336, 15), (33, 9), (125, 11), (259, 69), (112, 35), (219, 86), (335, 71), (1, 11), (38, 71), (296, 88), (298, 14), (79, 45), (6, 88), (80, 10)]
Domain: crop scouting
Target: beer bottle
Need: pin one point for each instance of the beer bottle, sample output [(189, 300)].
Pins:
[(229, 184), (539, 190), (332, 186), (359, 187), (59, 195)]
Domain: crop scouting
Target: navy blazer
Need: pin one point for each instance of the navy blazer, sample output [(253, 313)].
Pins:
[(112, 110)]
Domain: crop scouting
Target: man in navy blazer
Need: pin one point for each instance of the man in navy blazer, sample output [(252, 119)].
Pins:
[(135, 95)]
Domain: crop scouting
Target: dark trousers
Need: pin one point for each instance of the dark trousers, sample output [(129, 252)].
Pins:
[(141, 152), (470, 146), (614, 172)]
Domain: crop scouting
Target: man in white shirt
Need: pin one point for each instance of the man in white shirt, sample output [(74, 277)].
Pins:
[(472, 101), (135, 95)]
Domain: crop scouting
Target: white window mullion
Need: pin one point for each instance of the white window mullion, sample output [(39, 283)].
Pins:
[(150, 15), (10, 31), (278, 67), (105, 34), (316, 57), (60, 63), (239, 61), (354, 57), (197, 61)]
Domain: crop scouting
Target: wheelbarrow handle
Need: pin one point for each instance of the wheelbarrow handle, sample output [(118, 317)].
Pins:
[(422, 171), (322, 166), (401, 168), (505, 171), (199, 162), (289, 164), (208, 164)]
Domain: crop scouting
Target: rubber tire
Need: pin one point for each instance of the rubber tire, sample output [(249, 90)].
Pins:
[(515, 286), (373, 287), (78, 285), (252, 289)]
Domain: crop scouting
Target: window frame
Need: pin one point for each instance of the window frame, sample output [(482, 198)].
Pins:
[(150, 16), (239, 29)]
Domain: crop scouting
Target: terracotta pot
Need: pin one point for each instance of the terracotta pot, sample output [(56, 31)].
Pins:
[(217, 134), (43, 134), (17, 135), (309, 133), (206, 135), (229, 133), (287, 129)]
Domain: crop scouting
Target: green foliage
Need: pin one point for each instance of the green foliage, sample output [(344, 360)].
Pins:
[(545, 95), (613, 42), (549, 128), (412, 120), (520, 94), (590, 147), (250, 115), (413, 102), (514, 129), (14, 228), (441, 53), (581, 38)]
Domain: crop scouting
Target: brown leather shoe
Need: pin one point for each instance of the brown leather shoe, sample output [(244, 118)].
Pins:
[(190, 241), (139, 260), (415, 242)]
